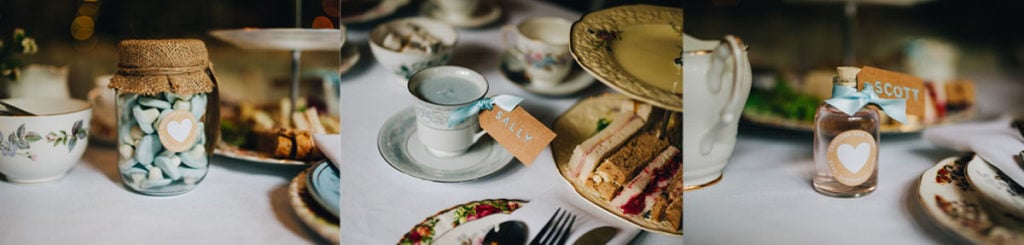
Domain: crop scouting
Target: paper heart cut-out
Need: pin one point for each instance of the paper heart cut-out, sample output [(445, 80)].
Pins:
[(854, 158), (180, 130)]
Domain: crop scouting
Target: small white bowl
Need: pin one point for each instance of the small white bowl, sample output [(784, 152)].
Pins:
[(404, 64), (43, 147)]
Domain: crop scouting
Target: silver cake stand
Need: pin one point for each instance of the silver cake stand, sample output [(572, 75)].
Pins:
[(295, 40)]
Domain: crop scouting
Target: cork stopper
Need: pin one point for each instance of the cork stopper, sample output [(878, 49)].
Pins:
[(847, 76), (150, 67)]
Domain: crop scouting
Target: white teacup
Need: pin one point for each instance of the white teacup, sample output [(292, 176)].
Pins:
[(716, 76), (541, 44), (439, 91), (457, 9)]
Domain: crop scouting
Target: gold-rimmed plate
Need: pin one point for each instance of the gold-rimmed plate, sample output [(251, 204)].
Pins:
[(575, 126), (310, 213), (634, 49), (953, 202), (462, 224)]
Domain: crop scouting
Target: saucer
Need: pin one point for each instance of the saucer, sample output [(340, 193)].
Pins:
[(349, 58), (402, 149), (323, 184), (956, 205), (486, 12), (313, 215), (995, 186), (513, 70)]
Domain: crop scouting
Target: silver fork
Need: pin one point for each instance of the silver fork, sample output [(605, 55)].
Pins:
[(556, 231)]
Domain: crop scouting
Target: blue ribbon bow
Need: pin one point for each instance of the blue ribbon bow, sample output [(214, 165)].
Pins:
[(506, 102), (849, 101)]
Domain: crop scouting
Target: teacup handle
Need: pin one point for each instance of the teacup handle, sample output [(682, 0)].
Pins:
[(741, 84), (478, 135), (508, 40)]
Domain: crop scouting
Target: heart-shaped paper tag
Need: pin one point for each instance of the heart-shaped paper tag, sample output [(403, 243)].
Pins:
[(854, 158), (178, 130)]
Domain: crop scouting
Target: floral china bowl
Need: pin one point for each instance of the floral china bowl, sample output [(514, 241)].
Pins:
[(44, 146), (405, 46)]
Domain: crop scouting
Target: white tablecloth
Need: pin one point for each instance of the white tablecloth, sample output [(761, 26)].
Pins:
[(765, 196), (380, 204), (238, 203)]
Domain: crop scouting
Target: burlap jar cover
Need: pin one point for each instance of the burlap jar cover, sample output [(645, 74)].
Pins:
[(180, 66)]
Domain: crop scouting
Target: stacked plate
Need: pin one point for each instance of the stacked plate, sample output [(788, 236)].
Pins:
[(976, 201), (315, 197)]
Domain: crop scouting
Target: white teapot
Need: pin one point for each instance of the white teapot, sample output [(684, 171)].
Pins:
[(716, 78)]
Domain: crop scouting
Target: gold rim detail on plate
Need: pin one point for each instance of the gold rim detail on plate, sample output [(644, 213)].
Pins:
[(592, 38), (313, 216), (574, 127), (701, 186)]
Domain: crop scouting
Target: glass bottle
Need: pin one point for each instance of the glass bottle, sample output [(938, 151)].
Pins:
[(846, 146)]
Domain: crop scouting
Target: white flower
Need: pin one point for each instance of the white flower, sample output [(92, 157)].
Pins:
[(29, 46), (18, 32)]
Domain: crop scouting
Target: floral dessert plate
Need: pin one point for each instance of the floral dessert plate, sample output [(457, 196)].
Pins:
[(402, 149), (316, 217), (955, 204), (574, 127), (283, 38), (324, 186), (487, 11), (995, 187), (357, 11), (465, 223), (634, 49), (513, 70)]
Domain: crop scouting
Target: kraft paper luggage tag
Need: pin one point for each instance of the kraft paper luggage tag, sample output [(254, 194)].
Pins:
[(895, 85), (518, 131)]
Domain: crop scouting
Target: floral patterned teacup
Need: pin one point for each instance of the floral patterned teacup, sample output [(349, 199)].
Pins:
[(541, 44), (43, 147)]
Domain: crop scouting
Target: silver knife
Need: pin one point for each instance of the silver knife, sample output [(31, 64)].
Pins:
[(600, 235)]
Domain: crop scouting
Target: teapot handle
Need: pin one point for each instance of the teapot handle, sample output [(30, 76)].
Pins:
[(741, 84), (741, 80)]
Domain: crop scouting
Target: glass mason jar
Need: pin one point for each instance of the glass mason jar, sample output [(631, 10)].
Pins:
[(167, 108), (161, 142)]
